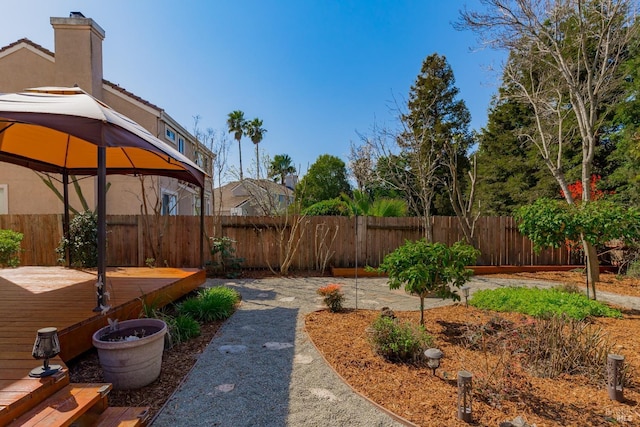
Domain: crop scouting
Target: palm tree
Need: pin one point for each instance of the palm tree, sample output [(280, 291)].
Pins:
[(280, 167), (254, 130), (236, 123)]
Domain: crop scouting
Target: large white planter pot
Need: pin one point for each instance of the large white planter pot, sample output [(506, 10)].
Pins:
[(136, 363)]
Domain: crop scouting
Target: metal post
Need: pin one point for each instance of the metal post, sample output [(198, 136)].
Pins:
[(464, 396), (66, 220), (202, 227), (614, 377), (102, 227)]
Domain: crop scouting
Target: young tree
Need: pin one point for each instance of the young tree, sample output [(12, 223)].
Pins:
[(565, 62), (429, 268), (555, 223), (236, 123), (326, 179), (280, 167), (254, 130)]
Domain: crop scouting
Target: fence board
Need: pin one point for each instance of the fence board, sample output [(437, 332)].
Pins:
[(175, 241)]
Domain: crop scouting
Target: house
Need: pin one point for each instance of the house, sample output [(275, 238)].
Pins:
[(77, 60), (252, 197)]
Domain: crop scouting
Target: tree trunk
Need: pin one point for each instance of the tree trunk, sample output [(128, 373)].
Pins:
[(421, 311), (593, 266), (240, 157)]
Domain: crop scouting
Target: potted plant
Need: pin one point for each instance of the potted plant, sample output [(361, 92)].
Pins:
[(130, 352)]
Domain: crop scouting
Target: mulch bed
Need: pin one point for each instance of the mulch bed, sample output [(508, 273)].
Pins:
[(415, 394)]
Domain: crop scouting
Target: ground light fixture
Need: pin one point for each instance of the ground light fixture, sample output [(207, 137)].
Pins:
[(615, 376), (464, 396), (45, 347), (433, 358), (465, 291)]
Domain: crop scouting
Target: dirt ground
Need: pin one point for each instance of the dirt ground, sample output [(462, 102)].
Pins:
[(414, 393)]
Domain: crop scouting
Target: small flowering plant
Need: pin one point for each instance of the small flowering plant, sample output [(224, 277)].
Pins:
[(332, 296)]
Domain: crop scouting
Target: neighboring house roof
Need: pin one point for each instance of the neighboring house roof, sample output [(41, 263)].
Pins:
[(238, 194)]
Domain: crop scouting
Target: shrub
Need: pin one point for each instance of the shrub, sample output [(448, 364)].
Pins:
[(331, 207), (399, 342), (561, 345), (185, 328), (224, 258), (332, 296), (541, 302), (10, 248), (217, 303), (82, 242)]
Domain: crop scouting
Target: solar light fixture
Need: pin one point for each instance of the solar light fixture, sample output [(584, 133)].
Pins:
[(45, 347), (433, 358), (465, 291)]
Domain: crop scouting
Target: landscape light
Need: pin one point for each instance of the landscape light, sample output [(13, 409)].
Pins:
[(45, 347)]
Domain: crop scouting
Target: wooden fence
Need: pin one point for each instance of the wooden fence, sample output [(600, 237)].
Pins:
[(174, 240)]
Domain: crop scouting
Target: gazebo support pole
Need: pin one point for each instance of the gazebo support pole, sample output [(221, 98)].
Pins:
[(102, 227), (66, 220), (202, 227)]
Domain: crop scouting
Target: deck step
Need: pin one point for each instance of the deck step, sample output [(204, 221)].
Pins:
[(66, 407), (21, 394), (123, 417)]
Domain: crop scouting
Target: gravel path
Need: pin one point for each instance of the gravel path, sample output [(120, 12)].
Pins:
[(262, 370)]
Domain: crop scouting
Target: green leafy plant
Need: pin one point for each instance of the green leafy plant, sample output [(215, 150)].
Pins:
[(541, 302), (184, 328), (10, 248), (82, 242), (217, 303), (224, 258), (332, 296), (150, 262), (429, 268), (399, 342)]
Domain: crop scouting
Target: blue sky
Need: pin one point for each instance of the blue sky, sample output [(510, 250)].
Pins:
[(316, 71)]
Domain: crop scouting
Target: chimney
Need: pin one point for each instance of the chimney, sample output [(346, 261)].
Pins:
[(290, 181), (78, 53)]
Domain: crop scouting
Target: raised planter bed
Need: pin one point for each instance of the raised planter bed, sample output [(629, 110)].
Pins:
[(479, 270)]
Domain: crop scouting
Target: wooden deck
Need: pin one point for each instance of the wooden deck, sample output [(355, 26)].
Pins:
[(36, 297)]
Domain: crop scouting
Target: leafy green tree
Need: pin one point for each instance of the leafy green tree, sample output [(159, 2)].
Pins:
[(326, 179), (555, 223), (254, 130), (236, 124), (280, 167), (429, 268)]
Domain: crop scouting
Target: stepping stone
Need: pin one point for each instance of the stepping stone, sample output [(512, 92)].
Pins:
[(263, 295), (323, 393), (302, 359), (369, 301), (287, 299), (233, 349), (277, 345), (226, 388)]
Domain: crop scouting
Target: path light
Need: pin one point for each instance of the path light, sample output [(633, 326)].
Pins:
[(46, 346), (465, 291), (433, 358), (614, 377), (464, 396)]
